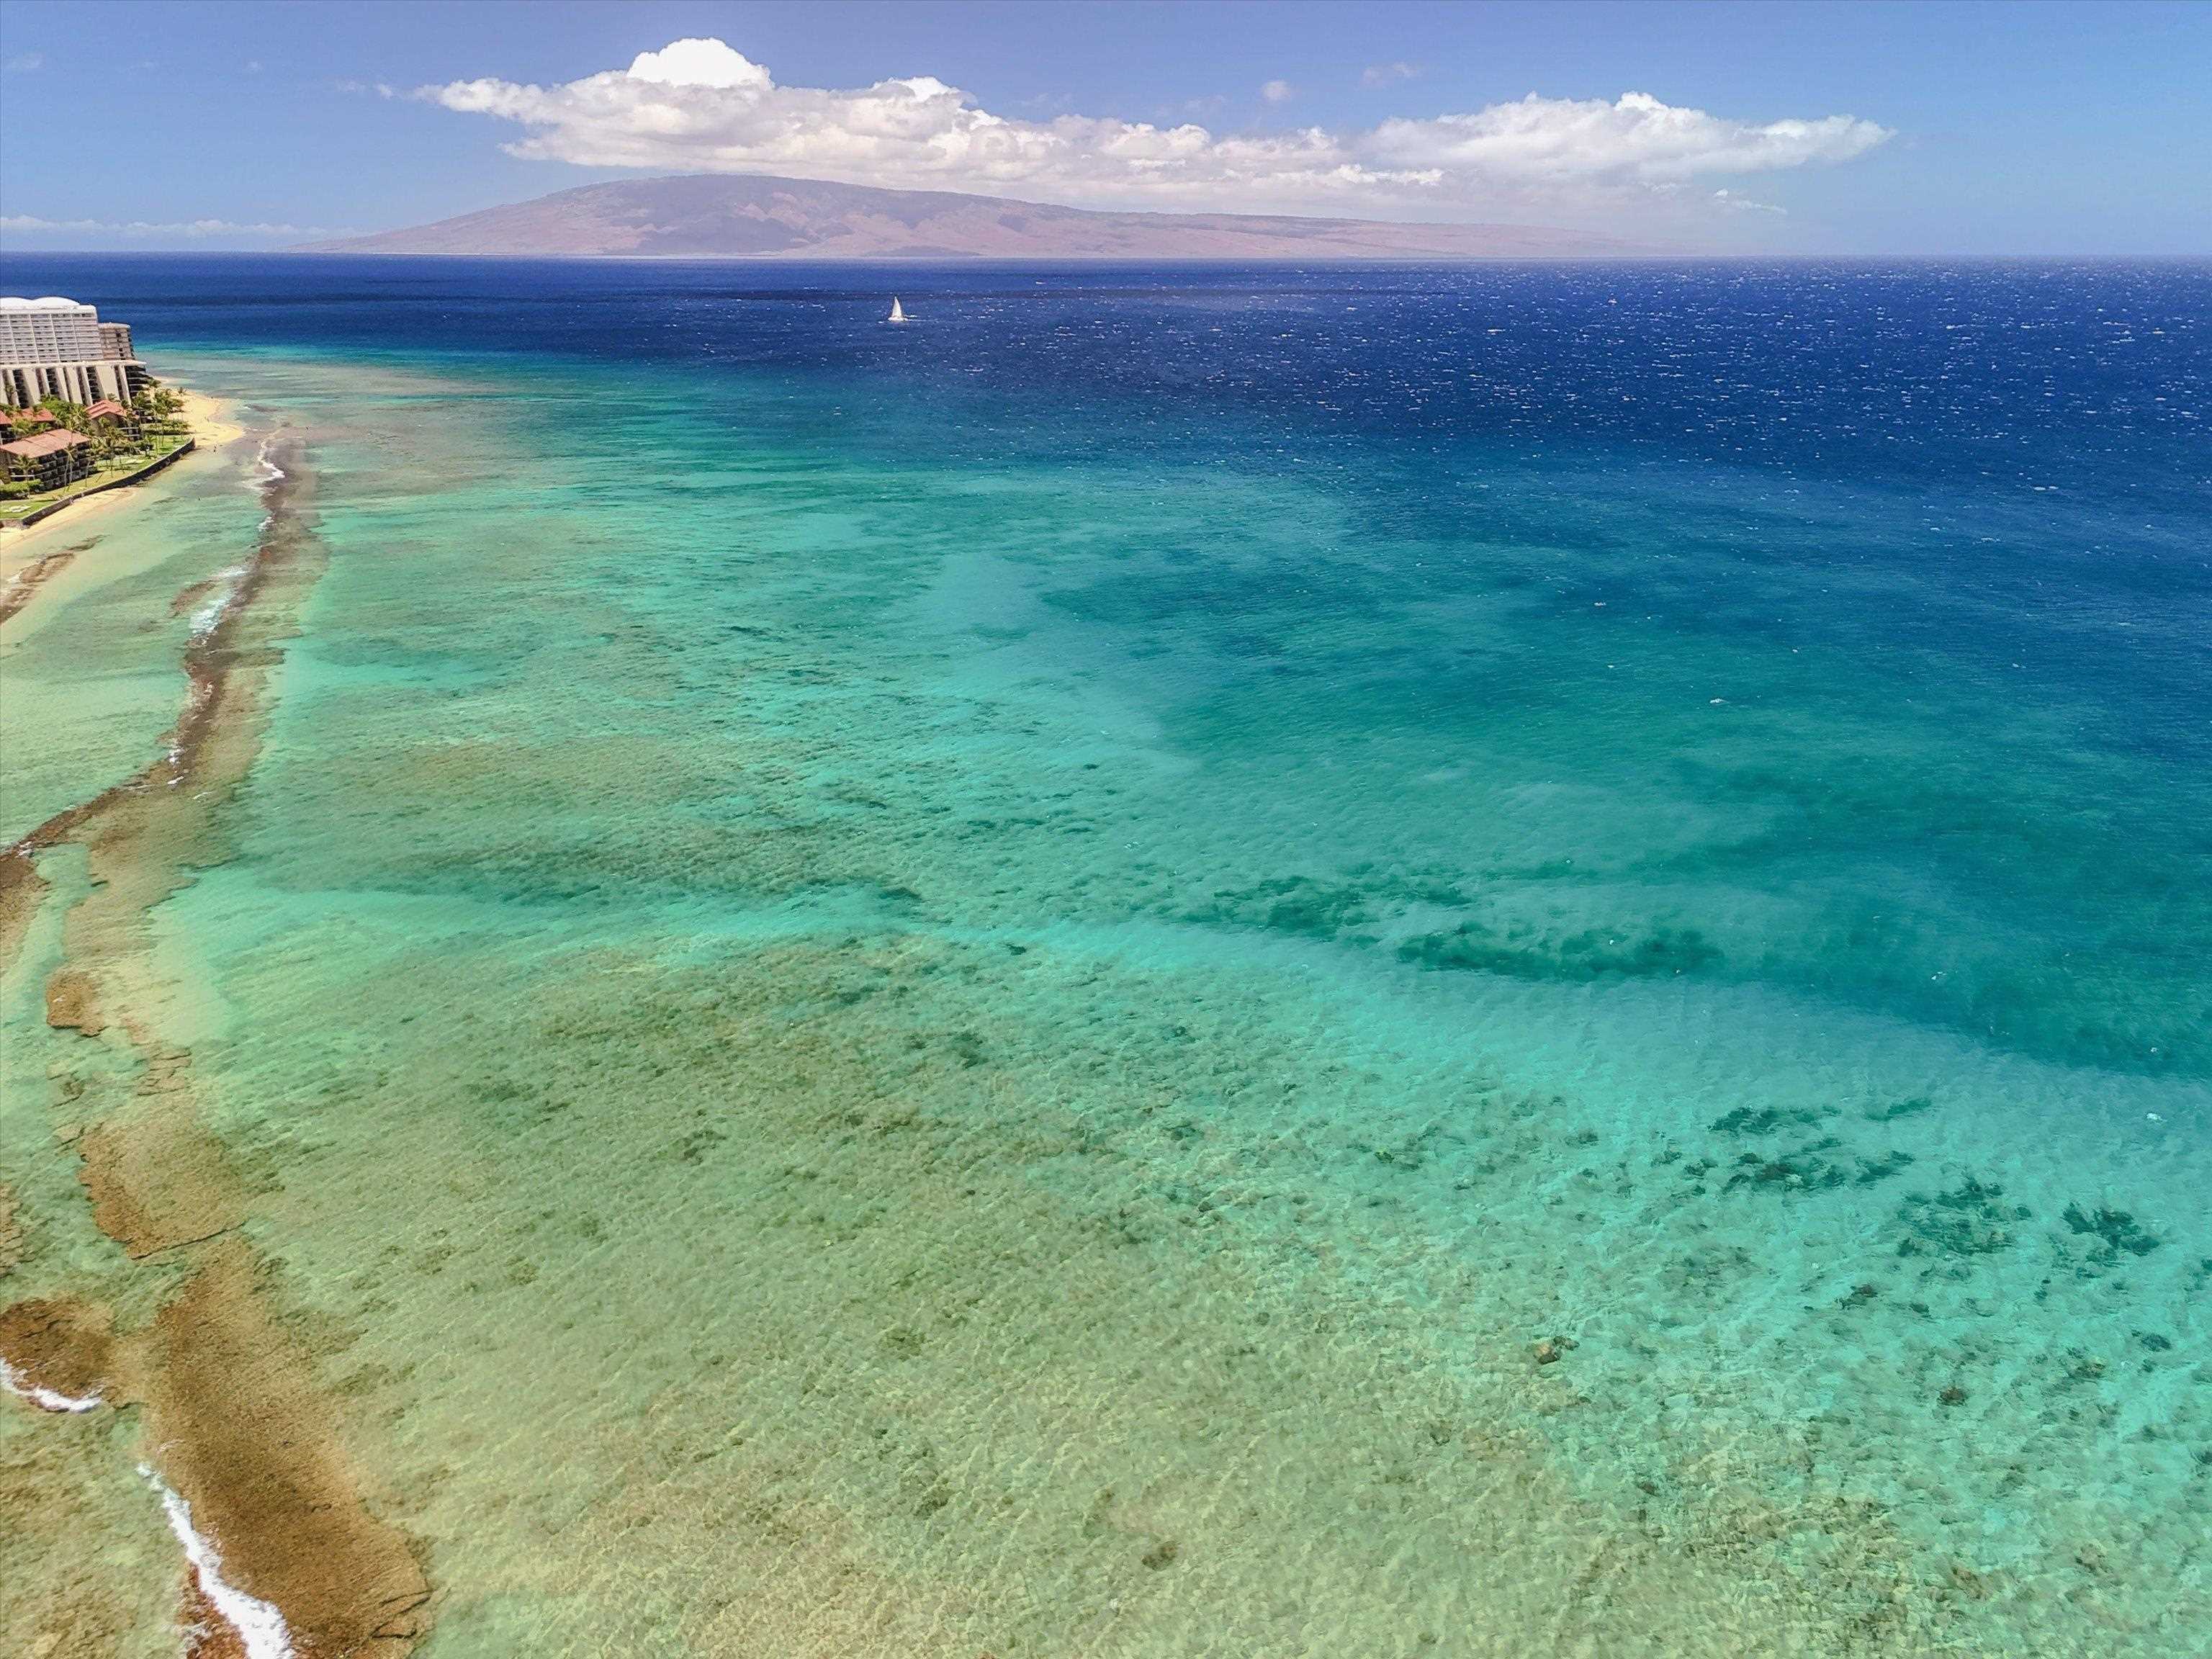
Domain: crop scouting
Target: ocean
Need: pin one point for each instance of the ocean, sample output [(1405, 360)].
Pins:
[(1334, 961)]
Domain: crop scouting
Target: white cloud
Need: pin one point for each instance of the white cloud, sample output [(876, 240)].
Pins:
[(1730, 202), (700, 106), (12, 224), (696, 62), (1382, 75), (1278, 92), (1636, 137), (23, 63)]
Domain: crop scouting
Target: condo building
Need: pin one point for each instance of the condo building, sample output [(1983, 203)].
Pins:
[(56, 348)]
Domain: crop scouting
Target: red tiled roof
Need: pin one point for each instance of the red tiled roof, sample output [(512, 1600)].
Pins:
[(46, 443), (107, 406), (27, 418)]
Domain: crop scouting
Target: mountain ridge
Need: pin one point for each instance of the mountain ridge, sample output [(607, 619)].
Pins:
[(763, 217)]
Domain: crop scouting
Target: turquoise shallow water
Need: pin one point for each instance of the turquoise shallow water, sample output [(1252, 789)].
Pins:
[(985, 989)]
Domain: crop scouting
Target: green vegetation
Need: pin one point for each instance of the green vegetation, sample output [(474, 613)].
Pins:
[(157, 428)]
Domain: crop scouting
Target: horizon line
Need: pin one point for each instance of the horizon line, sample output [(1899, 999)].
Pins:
[(965, 261)]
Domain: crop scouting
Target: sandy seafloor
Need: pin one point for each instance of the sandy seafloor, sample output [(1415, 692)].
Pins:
[(829, 1054)]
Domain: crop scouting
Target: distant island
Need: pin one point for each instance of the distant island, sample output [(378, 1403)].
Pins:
[(754, 216)]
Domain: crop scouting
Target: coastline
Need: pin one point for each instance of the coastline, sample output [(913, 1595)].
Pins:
[(215, 427), (212, 419), (258, 1491)]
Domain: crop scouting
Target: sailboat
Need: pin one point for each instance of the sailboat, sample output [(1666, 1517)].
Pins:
[(898, 311)]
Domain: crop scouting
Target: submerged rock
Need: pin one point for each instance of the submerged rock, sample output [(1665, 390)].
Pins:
[(73, 1003)]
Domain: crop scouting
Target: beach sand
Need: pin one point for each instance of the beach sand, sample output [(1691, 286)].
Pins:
[(214, 420)]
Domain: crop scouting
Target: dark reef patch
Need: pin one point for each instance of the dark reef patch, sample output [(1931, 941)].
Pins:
[(1805, 1169), (1764, 1121), (1897, 1109), (2116, 1228), (1873, 1170), (1968, 1220), (1524, 952), (1290, 904)]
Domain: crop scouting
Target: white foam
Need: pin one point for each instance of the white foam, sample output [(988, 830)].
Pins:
[(271, 472), (209, 615), (46, 1398), (205, 618), (259, 1625)]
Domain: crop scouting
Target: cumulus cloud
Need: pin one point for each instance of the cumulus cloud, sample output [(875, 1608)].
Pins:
[(701, 105), (13, 224), (1278, 92)]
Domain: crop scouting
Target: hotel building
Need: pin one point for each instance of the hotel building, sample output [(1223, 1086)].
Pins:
[(56, 348)]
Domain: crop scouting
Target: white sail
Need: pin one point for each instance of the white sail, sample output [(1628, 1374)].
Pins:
[(898, 311)]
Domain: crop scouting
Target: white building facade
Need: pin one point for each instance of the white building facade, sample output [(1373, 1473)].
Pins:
[(56, 348)]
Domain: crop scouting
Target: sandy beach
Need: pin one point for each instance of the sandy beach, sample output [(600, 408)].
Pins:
[(214, 420), (215, 427)]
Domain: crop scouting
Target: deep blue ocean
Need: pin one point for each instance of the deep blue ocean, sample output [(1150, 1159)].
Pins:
[(1935, 534), (1665, 804)]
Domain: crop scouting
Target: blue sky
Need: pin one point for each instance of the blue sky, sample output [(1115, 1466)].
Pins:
[(1862, 128)]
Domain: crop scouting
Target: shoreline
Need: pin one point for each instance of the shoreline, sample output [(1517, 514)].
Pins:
[(213, 429), (277, 1536)]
